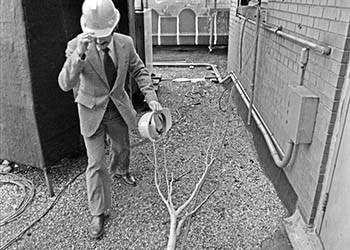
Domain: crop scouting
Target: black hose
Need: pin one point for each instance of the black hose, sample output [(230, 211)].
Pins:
[(27, 188), (20, 234)]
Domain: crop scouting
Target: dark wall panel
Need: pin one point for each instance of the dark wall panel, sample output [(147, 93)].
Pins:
[(71, 16), (55, 111), (123, 7)]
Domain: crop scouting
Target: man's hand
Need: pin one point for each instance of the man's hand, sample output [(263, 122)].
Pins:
[(154, 105), (83, 42)]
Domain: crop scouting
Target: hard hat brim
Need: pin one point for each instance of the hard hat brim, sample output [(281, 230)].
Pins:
[(100, 32)]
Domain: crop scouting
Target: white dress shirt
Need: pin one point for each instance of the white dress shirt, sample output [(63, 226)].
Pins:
[(111, 52)]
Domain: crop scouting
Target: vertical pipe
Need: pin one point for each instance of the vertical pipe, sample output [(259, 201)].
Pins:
[(215, 28), (285, 159), (178, 29), (159, 30), (211, 33), (212, 28), (241, 46), (197, 32), (254, 62), (304, 58)]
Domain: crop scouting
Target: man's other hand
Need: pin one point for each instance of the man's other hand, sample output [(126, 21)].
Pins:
[(154, 105)]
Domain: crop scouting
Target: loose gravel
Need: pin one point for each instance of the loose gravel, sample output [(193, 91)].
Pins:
[(243, 211)]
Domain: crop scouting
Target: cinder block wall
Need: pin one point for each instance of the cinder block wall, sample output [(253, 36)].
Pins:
[(324, 22)]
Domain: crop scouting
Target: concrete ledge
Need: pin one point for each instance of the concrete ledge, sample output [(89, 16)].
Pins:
[(300, 236)]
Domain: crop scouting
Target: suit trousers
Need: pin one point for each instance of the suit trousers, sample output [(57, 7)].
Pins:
[(98, 174)]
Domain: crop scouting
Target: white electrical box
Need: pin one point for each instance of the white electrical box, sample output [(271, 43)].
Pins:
[(300, 116)]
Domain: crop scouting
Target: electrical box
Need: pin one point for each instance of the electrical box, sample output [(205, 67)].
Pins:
[(300, 116)]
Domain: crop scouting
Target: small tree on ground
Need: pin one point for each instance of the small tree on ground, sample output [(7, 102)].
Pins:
[(179, 215)]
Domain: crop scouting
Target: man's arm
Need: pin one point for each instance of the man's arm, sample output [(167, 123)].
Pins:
[(142, 76), (75, 59)]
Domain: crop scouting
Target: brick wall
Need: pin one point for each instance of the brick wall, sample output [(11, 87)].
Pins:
[(324, 22)]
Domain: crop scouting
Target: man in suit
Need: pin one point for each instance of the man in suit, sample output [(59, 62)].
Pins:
[(96, 67)]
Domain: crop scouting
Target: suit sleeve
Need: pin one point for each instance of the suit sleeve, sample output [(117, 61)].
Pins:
[(140, 73), (69, 76)]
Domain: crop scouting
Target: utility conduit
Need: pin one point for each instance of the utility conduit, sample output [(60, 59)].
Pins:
[(282, 161), (184, 64), (271, 142), (255, 60), (324, 50)]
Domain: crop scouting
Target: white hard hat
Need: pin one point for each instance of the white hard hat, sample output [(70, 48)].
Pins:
[(99, 17), (153, 125)]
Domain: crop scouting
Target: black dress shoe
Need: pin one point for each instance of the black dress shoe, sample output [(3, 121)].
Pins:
[(127, 178), (96, 226)]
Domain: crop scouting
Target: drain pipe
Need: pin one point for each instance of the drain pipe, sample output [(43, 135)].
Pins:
[(185, 64), (252, 86), (271, 142), (212, 40), (304, 58), (323, 50)]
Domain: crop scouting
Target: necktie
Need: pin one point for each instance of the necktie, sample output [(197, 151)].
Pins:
[(110, 68)]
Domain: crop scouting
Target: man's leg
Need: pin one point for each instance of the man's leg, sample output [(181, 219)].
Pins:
[(97, 177), (118, 133)]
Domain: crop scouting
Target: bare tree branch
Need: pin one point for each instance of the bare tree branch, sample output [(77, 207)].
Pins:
[(188, 224), (183, 219), (176, 224), (171, 190), (201, 204), (195, 191), (156, 178)]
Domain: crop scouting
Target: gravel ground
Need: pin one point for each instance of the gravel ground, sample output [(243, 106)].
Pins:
[(243, 211)]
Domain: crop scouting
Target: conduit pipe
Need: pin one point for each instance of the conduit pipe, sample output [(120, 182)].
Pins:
[(213, 28), (252, 85), (271, 142), (282, 161), (304, 58), (184, 64), (324, 50)]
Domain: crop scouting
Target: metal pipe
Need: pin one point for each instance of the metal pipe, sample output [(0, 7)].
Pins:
[(184, 64), (282, 161), (252, 85), (210, 47), (304, 58), (324, 50), (271, 142)]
